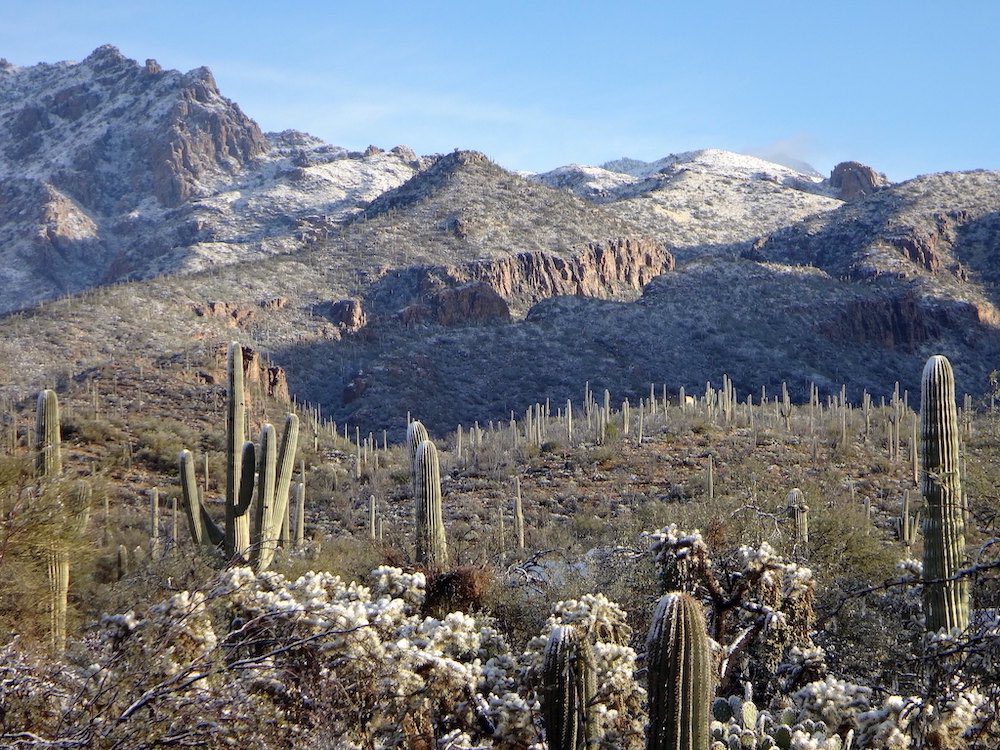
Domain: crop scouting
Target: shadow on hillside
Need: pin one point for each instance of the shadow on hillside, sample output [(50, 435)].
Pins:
[(760, 325)]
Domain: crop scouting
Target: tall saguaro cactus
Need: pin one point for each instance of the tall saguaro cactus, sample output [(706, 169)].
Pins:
[(432, 544), (679, 675), (946, 600), (569, 684), (48, 463), (237, 511)]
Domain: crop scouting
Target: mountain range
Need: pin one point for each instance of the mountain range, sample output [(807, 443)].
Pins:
[(145, 220)]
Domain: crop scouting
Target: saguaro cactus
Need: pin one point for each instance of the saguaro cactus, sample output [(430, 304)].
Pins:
[(518, 514), (432, 545), (569, 684), (798, 511), (48, 443), (679, 676), (946, 600), (48, 463), (237, 503), (416, 433), (907, 523)]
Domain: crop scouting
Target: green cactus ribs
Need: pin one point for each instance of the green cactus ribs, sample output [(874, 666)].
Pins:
[(946, 598), (680, 675)]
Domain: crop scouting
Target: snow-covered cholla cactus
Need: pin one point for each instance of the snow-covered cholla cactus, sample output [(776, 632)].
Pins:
[(760, 604), (946, 599), (299, 642), (619, 701)]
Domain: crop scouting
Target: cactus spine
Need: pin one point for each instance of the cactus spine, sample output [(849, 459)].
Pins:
[(946, 601), (569, 684), (432, 545), (680, 676)]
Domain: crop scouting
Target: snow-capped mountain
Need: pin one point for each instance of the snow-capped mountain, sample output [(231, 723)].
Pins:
[(113, 170), (700, 200)]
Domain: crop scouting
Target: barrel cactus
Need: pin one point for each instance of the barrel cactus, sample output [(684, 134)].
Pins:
[(679, 675), (946, 600), (569, 684), (432, 545)]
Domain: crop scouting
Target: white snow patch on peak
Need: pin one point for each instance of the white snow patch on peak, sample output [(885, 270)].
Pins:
[(585, 181), (713, 161)]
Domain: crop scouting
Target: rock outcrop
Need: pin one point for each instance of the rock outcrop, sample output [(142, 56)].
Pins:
[(853, 180), (256, 372), (499, 289), (348, 314), (604, 270), (234, 314), (905, 321)]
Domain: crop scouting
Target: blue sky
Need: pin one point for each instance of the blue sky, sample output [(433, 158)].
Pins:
[(909, 87)]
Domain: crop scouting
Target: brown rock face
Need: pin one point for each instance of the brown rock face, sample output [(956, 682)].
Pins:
[(491, 290), (603, 270), (255, 370), (475, 302), (855, 180), (903, 323), (929, 248), (234, 314), (204, 132), (348, 314)]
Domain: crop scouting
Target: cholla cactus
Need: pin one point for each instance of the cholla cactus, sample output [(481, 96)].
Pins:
[(567, 691), (432, 544), (946, 600), (619, 700), (776, 602), (679, 668)]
